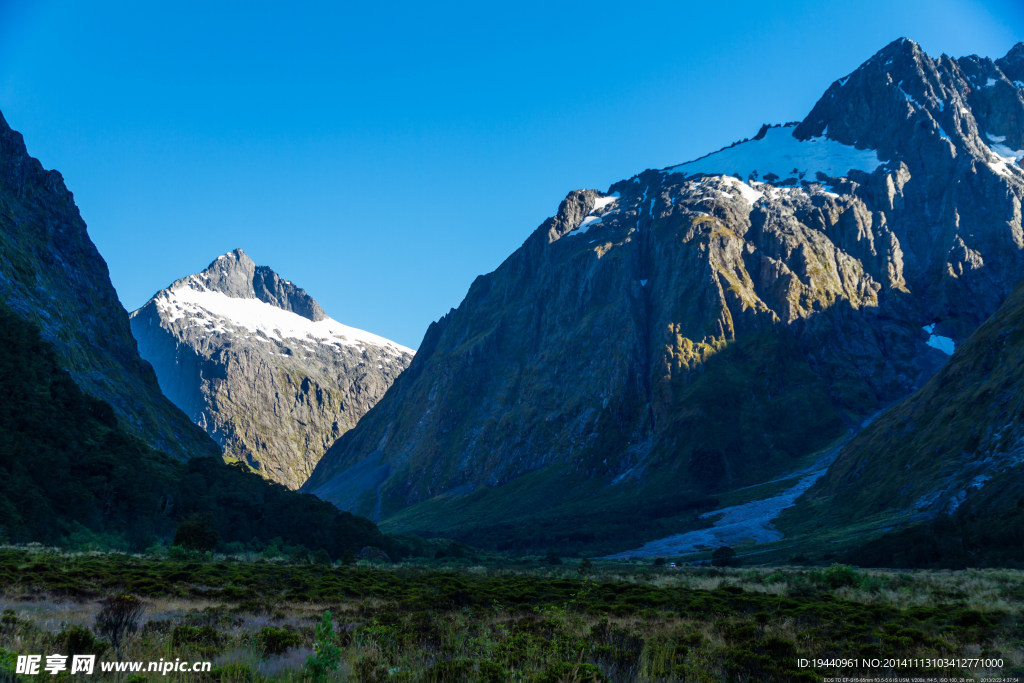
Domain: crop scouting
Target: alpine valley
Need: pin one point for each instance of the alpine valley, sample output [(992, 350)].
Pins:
[(708, 334), (91, 452), (804, 351), (738, 350)]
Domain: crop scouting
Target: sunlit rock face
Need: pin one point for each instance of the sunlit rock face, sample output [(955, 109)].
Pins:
[(701, 327), (256, 362)]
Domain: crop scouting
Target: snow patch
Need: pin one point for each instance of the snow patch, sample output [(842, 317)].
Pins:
[(781, 154), (944, 344), (909, 97), (746, 191), (602, 202), (587, 224), (746, 523), (596, 214), (193, 302), (1005, 158)]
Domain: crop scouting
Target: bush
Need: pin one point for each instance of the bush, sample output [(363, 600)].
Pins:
[(118, 619), (197, 533), (275, 641), (206, 637), (78, 640), (839, 576), (326, 651)]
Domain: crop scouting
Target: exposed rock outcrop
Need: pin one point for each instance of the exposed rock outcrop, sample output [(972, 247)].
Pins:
[(698, 327), (52, 275), (256, 362)]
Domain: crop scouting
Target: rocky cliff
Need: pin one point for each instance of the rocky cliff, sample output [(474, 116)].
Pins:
[(256, 362), (703, 326), (52, 275), (946, 442)]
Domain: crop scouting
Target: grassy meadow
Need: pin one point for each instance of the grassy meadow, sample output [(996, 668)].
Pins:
[(262, 618)]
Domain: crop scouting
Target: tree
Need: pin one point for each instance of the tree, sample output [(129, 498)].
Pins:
[(326, 651), (197, 533)]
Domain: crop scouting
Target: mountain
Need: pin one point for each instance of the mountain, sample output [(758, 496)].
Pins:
[(70, 475), (256, 362), (86, 437), (950, 458), (707, 326), (52, 275)]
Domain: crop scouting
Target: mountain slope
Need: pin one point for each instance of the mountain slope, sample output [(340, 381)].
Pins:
[(949, 442), (705, 326), (255, 361), (51, 273), (69, 474)]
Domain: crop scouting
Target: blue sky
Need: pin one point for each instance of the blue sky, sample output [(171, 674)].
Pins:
[(383, 157)]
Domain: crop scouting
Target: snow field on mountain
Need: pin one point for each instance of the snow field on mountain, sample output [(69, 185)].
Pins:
[(259, 317), (779, 153)]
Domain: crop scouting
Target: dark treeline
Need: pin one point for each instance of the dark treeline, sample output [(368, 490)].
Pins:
[(69, 475)]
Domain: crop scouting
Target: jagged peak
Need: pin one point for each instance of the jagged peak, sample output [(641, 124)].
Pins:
[(234, 258), (900, 48), (1015, 54), (237, 276), (1013, 63)]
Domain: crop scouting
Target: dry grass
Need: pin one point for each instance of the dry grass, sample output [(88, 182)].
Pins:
[(619, 622)]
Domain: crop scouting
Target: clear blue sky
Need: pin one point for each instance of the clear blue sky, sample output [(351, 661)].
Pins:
[(384, 157)]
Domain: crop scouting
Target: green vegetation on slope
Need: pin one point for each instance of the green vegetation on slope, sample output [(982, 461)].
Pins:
[(754, 412), (70, 475), (259, 621), (950, 445), (754, 409)]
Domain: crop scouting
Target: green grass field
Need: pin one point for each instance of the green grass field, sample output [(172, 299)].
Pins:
[(512, 620)]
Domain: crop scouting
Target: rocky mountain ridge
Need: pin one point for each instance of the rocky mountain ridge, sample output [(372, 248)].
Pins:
[(700, 327), (52, 275), (255, 361)]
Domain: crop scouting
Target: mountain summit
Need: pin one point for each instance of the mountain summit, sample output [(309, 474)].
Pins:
[(254, 360), (708, 326)]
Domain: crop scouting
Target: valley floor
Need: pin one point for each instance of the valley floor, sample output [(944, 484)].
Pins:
[(256, 619)]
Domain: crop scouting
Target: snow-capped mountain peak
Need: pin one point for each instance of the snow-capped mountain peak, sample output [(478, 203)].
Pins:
[(253, 359)]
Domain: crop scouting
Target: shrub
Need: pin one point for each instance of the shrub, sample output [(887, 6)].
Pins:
[(206, 636), (839, 576), (326, 652), (118, 619), (78, 640), (275, 641), (450, 671), (197, 533), (567, 671)]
